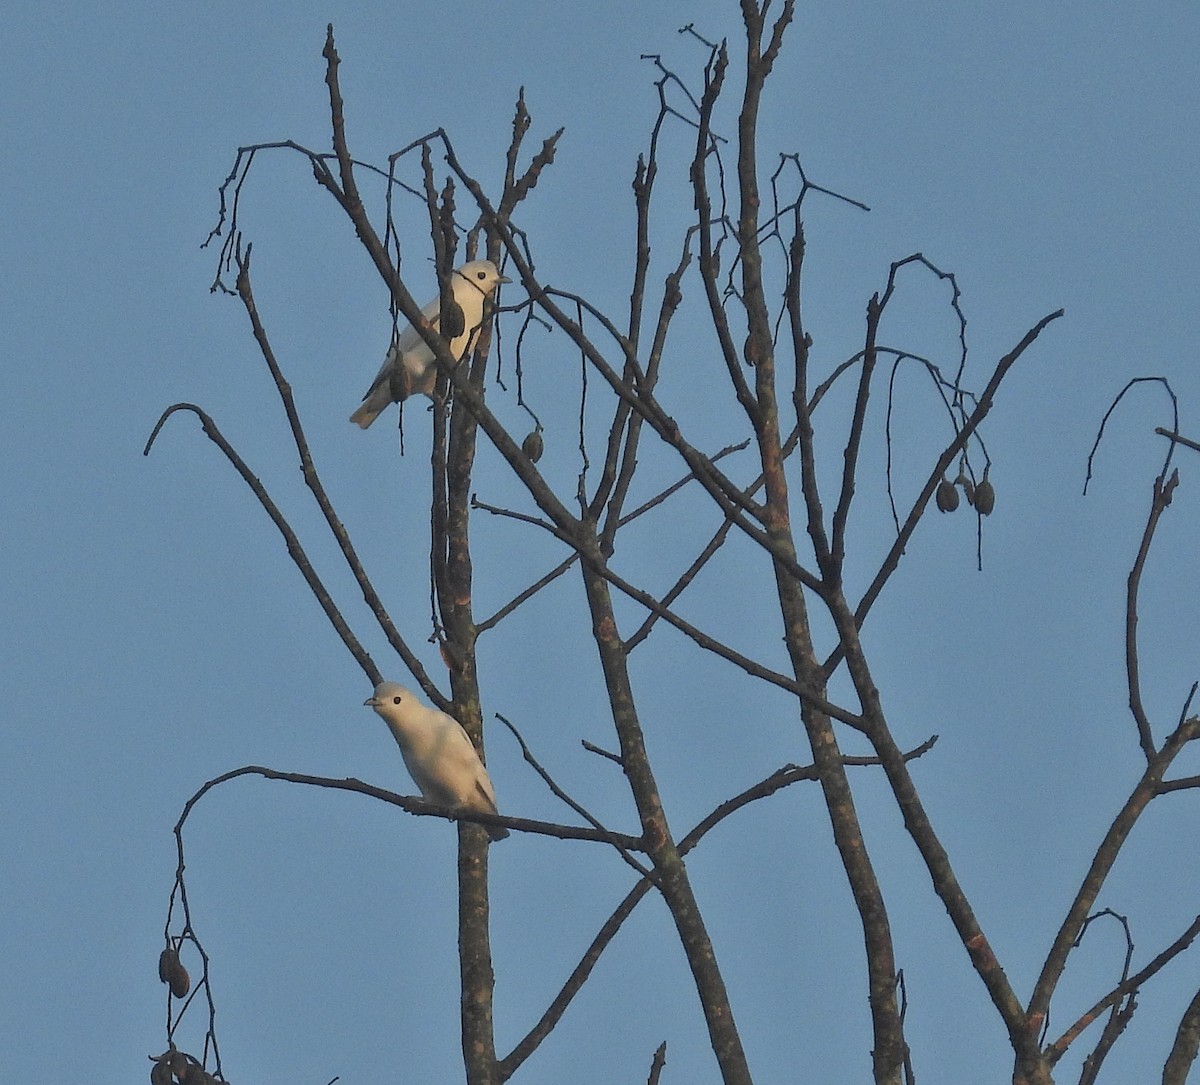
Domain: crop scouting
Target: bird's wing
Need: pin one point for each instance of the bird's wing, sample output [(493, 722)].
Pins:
[(410, 340), (468, 758), (485, 791)]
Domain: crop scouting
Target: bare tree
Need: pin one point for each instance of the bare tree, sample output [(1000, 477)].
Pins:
[(777, 494)]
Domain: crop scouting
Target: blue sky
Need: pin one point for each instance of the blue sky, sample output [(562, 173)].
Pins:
[(156, 634)]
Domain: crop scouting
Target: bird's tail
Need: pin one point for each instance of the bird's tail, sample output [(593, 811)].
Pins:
[(365, 415)]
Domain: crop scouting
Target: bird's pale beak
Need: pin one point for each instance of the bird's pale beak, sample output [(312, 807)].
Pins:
[(504, 279), (370, 701)]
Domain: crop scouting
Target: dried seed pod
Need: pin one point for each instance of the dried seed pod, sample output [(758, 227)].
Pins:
[(160, 1073), (533, 446), (180, 1065), (166, 960), (179, 980), (947, 496), (968, 487), (985, 497), (172, 972)]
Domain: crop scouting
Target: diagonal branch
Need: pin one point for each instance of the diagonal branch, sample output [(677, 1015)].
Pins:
[(704, 640), (526, 595), (1128, 986), (295, 550), (841, 513), (559, 793), (1162, 498), (986, 400), (1187, 1043), (1102, 862), (784, 777), (313, 480)]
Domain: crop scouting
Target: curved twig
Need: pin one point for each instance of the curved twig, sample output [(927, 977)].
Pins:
[(1116, 403), (295, 550), (1127, 986)]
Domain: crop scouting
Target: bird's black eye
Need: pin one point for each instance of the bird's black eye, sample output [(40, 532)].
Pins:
[(481, 275), (395, 700)]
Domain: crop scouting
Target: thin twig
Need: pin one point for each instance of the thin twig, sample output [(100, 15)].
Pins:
[(295, 550), (657, 1064), (1056, 1050), (608, 931), (1113, 406), (1158, 505), (559, 793), (312, 479), (892, 561), (1187, 442), (1102, 862), (527, 594)]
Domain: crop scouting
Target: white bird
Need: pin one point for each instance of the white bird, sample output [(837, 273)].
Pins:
[(438, 753), (470, 285)]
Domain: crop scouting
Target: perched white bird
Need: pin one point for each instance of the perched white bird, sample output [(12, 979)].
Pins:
[(470, 285), (438, 753)]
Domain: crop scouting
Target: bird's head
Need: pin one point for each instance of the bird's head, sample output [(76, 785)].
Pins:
[(483, 275), (390, 697)]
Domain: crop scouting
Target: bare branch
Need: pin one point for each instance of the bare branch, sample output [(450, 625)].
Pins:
[(1178, 439), (559, 793), (591, 747), (1122, 1011), (701, 638), (528, 593), (1187, 1042), (981, 411), (313, 481), (295, 550), (579, 975), (1127, 986), (1113, 406), (419, 807), (854, 440), (681, 585), (1161, 500), (1106, 855), (657, 1064)]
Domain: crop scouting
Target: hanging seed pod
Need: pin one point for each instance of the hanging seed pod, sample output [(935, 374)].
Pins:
[(172, 972), (533, 446), (400, 384), (160, 1074), (167, 959), (180, 1065), (947, 496), (985, 497), (180, 982)]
